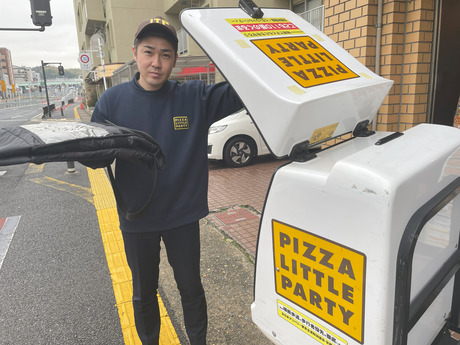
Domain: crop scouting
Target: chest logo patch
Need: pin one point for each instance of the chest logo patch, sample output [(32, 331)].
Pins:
[(180, 122)]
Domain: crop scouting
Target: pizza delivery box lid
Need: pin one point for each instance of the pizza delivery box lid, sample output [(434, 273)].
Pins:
[(296, 83)]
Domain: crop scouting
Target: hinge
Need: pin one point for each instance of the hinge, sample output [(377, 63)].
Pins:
[(361, 129), (251, 8), (301, 152)]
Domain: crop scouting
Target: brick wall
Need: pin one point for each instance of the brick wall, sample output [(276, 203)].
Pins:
[(405, 58)]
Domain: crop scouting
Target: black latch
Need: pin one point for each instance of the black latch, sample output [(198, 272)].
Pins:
[(251, 8), (301, 152), (389, 138), (361, 129)]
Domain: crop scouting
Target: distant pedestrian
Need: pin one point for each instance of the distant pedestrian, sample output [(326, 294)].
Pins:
[(178, 117)]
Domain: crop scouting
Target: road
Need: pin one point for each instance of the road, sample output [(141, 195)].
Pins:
[(10, 117), (13, 113), (55, 287)]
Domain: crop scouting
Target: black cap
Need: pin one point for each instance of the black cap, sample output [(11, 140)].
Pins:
[(158, 25)]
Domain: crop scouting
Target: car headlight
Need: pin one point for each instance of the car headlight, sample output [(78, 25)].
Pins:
[(216, 129)]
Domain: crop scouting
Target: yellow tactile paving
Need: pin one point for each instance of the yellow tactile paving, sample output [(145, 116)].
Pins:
[(104, 202), (75, 111)]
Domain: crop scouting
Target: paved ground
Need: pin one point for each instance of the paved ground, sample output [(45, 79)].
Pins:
[(236, 199)]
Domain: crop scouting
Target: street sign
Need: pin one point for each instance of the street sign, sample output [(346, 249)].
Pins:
[(85, 61)]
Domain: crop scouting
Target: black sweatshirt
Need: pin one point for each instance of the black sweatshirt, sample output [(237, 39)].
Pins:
[(178, 117)]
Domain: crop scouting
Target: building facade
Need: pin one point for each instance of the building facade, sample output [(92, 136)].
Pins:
[(25, 75), (6, 73), (413, 42)]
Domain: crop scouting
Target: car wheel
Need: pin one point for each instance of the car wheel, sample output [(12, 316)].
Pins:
[(239, 151)]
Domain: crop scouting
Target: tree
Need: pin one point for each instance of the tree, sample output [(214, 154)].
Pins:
[(53, 73)]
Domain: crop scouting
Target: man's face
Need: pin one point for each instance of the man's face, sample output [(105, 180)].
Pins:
[(155, 59)]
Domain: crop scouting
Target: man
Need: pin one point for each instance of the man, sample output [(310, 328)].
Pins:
[(178, 117)]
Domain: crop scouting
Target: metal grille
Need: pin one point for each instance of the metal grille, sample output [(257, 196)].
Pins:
[(315, 17), (124, 73)]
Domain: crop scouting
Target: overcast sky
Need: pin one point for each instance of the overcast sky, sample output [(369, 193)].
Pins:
[(58, 43)]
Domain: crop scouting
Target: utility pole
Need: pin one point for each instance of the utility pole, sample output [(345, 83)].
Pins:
[(98, 39), (101, 53), (61, 72), (48, 110)]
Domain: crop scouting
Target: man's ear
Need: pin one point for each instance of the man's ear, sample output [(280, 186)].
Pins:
[(134, 53)]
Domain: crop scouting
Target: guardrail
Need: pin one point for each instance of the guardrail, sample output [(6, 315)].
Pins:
[(15, 103)]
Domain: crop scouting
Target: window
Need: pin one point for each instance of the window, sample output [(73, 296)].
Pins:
[(79, 19), (183, 42), (85, 9), (307, 5), (300, 8), (312, 11)]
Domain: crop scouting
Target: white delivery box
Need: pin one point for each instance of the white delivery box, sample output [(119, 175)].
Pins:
[(358, 243), (338, 258), (296, 83)]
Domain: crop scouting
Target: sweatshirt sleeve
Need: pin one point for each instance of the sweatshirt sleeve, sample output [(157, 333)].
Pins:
[(221, 101), (101, 110)]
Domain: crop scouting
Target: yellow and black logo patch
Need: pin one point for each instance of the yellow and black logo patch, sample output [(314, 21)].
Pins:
[(180, 122)]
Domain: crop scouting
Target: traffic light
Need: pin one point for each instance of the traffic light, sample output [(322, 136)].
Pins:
[(40, 88), (41, 12), (61, 70)]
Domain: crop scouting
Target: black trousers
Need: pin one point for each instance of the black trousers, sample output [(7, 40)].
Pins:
[(183, 250)]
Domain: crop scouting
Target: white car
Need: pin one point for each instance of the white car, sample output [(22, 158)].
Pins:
[(236, 140)]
